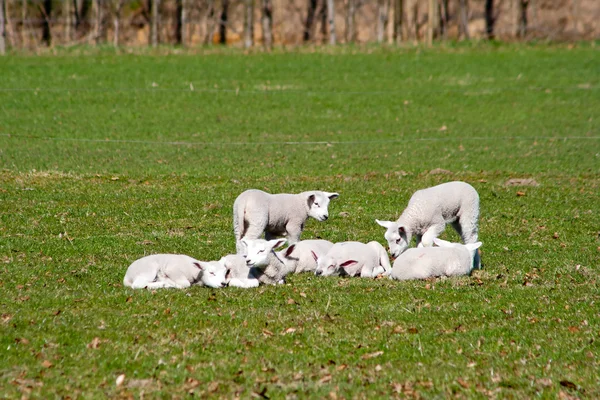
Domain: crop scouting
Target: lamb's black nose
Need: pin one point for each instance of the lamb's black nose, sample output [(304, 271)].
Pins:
[(325, 217), (318, 272)]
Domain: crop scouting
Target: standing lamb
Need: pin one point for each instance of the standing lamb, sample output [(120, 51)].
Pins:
[(354, 259), (450, 259), (428, 212), (255, 212), (173, 271)]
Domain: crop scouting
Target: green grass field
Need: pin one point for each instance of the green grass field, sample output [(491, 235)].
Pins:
[(105, 158)]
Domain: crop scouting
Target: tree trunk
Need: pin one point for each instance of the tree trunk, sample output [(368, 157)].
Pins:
[(210, 22), (350, 21), (179, 21), (2, 27), (223, 22), (267, 23), (489, 19), (431, 21), (322, 14), (117, 21), (383, 9), (248, 23), (46, 11), (81, 17), (310, 20), (522, 32), (99, 23), (68, 20), (444, 15), (154, 22), (331, 21), (463, 16), (398, 17)]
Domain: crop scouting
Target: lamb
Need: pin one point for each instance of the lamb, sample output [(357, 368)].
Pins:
[(449, 259), (173, 271), (238, 273), (255, 212), (354, 259), (265, 264), (302, 256), (428, 212)]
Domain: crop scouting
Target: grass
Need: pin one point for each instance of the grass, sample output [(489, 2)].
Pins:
[(105, 158)]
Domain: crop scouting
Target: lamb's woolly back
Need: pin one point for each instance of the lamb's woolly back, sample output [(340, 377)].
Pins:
[(451, 259), (173, 271), (353, 259), (302, 256)]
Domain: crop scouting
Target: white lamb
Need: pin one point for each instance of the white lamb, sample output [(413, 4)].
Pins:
[(354, 259), (255, 212), (238, 273), (265, 264), (173, 271), (450, 259), (428, 212), (302, 256)]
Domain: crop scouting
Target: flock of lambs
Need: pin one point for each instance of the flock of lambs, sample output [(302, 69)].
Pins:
[(257, 262)]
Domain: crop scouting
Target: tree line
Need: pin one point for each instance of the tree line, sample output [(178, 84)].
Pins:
[(26, 23)]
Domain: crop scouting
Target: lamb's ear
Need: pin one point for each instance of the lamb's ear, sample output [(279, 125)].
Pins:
[(315, 256), (348, 263), (385, 224), (199, 265), (401, 230), (289, 251), (442, 243), (473, 246), (332, 195), (275, 243), (310, 200)]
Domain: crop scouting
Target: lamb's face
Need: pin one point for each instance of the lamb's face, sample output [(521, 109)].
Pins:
[(318, 204), (326, 266), (213, 274), (395, 236), (258, 251)]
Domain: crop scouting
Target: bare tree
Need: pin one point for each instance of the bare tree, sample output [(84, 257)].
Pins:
[(383, 12), (99, 31), (398, 18), (490, 20), (248, 23), (522, 30), (180, 21), (210, 22), (118, 8), (155, 15), (350, 21), (2, 27), (81, 11), (223, 22), (310, 20), (463, 18), (444, 14), (267, 23), (46, 12), (68, 20), (431, 21), (331, 21)]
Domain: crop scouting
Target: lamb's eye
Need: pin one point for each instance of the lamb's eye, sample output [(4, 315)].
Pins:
[(398, 240), (212, 273), (316, 204), (331, 267), (261, 251)]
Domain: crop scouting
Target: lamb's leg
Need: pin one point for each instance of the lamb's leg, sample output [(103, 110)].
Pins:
[(293, 233), (467, 228), (254, 231), (431, 233), (244, 283)]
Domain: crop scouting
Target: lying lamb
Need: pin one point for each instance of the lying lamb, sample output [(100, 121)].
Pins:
[(173, 271), (450, 259), (354, 259), (238, 273), (255, 212), (265, 264), (428, 212)]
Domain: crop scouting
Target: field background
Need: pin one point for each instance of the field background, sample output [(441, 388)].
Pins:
[(105, 158)]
